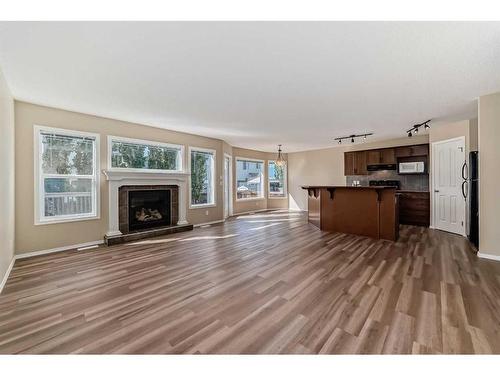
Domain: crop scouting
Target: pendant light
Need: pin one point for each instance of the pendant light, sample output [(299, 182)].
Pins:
[(280, 162)]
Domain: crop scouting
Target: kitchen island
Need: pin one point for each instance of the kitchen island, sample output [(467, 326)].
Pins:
[(367, 211)]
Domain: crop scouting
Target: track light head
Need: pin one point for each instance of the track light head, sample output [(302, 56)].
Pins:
[(426, 126), (352, 140), (340, 141), (409, 134)]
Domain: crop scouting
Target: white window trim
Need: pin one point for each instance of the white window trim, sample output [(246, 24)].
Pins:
[(38, 183), (285, 184), (214, 153), (263, 197), (111, 138)]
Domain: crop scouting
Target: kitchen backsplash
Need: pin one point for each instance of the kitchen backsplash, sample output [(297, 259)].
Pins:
[(417, 182)]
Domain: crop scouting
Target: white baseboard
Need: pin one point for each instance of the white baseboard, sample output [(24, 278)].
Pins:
[(489, 256), (57, 249), (208, 223), (7, 273)]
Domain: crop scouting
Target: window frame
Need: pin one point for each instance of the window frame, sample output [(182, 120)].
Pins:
[(263, 174), (285, 185), (214, 172), (144, 142), (40, 218)]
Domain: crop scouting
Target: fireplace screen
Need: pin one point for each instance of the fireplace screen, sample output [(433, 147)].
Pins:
[(149, 209)]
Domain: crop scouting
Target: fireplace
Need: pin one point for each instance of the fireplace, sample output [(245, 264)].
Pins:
[(148, 209)]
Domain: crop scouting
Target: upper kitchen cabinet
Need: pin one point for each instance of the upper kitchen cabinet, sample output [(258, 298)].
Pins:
[(387, 156), (381, 156), (355, 163), (409, 151), (373, 157)]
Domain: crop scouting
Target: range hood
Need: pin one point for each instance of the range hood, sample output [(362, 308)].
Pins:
[(381, 167)]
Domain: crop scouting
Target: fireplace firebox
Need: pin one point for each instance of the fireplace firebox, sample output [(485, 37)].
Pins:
[(148, 209)]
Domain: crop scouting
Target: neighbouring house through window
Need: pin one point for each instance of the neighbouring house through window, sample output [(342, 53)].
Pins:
[(276, 180), (249, 179)]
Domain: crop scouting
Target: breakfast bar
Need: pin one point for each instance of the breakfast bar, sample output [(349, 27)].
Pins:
[(367, 211)]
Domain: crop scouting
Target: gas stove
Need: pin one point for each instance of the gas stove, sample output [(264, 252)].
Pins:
[(392, 183)]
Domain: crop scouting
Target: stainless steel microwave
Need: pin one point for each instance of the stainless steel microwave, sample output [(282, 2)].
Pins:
[(413, 167)]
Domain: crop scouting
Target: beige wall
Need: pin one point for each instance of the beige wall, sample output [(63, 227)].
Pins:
[(260, 204), (30, 237), (464, 128), (326, 166), (489, 176), (6, 177)]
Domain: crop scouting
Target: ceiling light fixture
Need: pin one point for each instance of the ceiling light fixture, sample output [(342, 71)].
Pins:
[(414, 128), (352, 137), (280, 162)]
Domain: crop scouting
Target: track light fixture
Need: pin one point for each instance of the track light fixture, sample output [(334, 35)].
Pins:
[(414, 128), (352, 137)]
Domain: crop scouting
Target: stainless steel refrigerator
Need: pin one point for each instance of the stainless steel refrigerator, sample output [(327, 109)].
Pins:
[(470, 191)]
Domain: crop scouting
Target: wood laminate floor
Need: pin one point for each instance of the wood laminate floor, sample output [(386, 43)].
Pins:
[(264, 283)]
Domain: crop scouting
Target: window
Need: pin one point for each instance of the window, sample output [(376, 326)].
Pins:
[(277, 180), (135, 154), (249, 179), (67, 175), (202, 177)]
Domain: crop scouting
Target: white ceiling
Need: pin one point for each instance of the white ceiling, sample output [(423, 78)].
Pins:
[(257, 84)]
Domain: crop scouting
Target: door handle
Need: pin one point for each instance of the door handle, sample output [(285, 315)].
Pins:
[(436, 191), (464, 193), (464, 174)]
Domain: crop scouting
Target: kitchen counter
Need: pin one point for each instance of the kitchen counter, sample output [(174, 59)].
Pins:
[(363, 210)]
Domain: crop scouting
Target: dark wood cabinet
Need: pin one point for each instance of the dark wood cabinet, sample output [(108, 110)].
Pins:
[(349, 162), (360, 168), (387, 156), (373, 157), (408, 151), (414, 208), (382, 156), (355, 163)]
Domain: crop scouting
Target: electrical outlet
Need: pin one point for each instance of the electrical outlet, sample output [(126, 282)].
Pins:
[(206, 212)]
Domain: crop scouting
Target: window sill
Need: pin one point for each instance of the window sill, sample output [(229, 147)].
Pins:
[(68, 220), (114, 169), (250, 199), (206, 205)]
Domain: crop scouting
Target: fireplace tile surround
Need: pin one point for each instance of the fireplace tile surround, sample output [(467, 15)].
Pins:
[(123, 203)]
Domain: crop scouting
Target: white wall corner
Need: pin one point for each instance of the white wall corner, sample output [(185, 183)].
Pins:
[(7, 273), (488, 256)]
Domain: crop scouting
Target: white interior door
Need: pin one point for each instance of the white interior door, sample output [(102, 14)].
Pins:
[(227, 186), (448, 201)]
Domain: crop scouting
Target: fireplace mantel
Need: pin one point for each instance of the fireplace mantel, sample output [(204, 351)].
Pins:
[(117, 178)]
